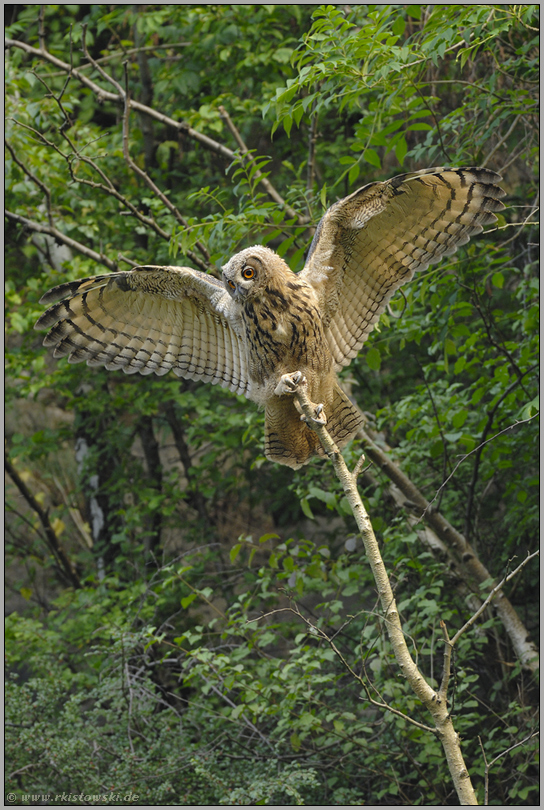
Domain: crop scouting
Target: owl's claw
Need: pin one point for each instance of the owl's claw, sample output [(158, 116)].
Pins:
[(320, 418), (289, 383)]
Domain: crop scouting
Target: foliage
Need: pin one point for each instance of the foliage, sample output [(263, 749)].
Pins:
[(225, 646)]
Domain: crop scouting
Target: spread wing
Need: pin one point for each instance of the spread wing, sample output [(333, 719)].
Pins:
[(150, 320), (372, 242)]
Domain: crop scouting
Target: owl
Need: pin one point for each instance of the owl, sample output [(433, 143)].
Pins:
[(263, 330)]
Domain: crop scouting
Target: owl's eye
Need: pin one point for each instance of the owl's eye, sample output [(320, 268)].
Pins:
[(248, 272), (231, 284)]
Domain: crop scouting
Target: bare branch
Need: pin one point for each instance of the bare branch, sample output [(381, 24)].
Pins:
[(100, 258), (133, 166), (319, 632), (107, 186), (475, 450), (479, 450), (501, 142), (97, 67), (431, 699)]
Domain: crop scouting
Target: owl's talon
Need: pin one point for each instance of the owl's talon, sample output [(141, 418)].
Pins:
[(289, 383), (320, 417)]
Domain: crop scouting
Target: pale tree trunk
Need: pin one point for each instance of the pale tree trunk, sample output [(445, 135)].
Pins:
[(434, 701)]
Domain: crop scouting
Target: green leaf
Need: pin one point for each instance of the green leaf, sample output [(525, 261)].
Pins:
[(401, 148), (187, 600), (398, 26), (305, 506), (373, 358), (353, 173), (306, 720), (269, 536), (295, 741), (459, 418), (498, 280), (372, 157)]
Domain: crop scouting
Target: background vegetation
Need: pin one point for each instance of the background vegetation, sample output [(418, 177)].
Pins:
[(150, 546)]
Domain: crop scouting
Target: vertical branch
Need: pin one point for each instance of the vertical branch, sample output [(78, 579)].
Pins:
[(67, 569), (41, 28), (146, 96), (434, 702)]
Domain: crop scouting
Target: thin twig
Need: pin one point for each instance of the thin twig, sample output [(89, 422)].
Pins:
[(35, 180), (488, 765), (505, 137), (464, 458), (258, 174), (480, 448), (317, 631), (496, 590), (446, 460), (97, 67)]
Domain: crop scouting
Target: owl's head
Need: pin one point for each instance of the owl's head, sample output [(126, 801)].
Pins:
[(249, 272)]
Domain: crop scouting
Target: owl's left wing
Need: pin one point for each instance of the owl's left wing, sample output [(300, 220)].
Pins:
[(150, 320), (372, 242)]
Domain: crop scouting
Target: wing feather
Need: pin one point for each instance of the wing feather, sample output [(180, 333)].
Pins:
[(372, 242), (150, 320)]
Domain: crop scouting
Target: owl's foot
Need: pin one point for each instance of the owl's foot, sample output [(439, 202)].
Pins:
[(289, 383), (319, 416)]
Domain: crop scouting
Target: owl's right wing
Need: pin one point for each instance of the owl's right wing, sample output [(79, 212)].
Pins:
[(150, 320)]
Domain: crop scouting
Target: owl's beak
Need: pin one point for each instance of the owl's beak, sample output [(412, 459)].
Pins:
[(237, 292)]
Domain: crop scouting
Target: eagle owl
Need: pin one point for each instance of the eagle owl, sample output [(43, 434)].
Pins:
[(263, 328)]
